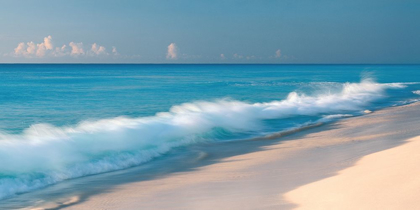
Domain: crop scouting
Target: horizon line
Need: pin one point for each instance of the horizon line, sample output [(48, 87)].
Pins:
[(210, 63)]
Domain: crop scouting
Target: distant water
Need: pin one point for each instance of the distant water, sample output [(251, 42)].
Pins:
[(59, 122)]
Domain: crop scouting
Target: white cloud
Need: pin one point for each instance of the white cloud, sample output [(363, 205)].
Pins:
[(76, 49), (60, 51), (31, 49), (20, 49), (247, 57), (114, 51), (97, 49), (48, 43), (172, 51), (41, 50), (278, 53), (222, 56), (236, 56), (46, 48)]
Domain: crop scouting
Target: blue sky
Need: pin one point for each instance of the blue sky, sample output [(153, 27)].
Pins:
[(217, 31)]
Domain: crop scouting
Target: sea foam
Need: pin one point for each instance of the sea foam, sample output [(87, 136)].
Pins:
[(44, 154)]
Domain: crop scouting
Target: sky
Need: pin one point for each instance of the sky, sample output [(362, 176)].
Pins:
[(217, 31)]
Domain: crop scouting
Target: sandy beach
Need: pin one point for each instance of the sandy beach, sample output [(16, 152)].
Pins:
[(363, 162), (209, 105)]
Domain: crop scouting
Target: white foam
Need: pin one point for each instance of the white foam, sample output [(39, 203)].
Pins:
[(44, 154)]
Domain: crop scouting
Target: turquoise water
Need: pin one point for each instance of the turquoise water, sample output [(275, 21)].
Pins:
[(65, 121)]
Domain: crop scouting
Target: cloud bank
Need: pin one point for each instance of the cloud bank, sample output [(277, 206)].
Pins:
[(46, 49)]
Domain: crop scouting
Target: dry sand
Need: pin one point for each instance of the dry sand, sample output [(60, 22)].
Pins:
[(385, 180), (359, 163)]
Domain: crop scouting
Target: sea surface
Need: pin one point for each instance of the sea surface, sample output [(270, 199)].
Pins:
[(64, 121)]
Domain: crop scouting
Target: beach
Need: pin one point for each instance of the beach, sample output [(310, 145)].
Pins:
[(361, 162), (199, 105)]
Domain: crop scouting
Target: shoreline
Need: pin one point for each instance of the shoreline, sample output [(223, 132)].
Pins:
[(235, 175)]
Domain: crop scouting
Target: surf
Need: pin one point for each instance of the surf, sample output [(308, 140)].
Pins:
[(45, 154)]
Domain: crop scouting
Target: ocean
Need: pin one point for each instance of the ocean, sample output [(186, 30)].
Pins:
[(65, 121)]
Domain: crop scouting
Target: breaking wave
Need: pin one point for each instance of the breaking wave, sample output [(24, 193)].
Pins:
[(44, 154)]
